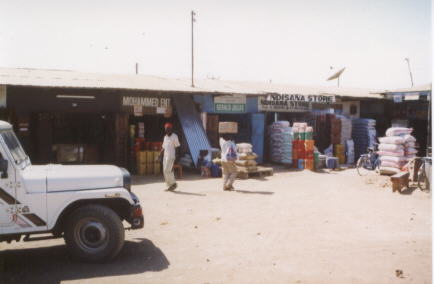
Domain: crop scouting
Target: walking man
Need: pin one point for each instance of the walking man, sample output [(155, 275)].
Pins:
[(168, 151), (228, 157)]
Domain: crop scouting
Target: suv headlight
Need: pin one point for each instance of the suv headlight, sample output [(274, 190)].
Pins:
[(126, 179)]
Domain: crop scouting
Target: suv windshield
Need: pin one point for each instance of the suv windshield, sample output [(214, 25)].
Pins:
[(14, 146)]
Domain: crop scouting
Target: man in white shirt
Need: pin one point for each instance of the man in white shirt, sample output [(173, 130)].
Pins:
[(168, 151)]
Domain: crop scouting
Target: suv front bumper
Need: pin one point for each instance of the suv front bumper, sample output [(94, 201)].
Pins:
[(136, 219)]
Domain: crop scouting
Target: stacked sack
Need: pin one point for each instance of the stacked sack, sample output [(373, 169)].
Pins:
[(281, 142), (409, 141), (391, 152), (246, 158), (364, 135), (396, 149)]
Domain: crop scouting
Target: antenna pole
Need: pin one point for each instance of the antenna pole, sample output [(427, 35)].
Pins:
[(192, 48), (409, 70)]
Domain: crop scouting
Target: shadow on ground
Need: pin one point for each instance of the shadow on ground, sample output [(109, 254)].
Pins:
[(409, 190), (52, 265), (253, 192)]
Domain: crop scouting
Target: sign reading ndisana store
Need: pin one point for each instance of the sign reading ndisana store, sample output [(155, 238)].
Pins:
[(292, 103)]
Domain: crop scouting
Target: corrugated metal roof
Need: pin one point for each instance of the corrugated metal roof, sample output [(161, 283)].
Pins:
[(192, 126), (421, 88), (72, 79)]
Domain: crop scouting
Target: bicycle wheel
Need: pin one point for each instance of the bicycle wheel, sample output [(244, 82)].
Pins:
[(363, 165)]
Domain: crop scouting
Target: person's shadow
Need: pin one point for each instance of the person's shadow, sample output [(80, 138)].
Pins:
[(51, 265)]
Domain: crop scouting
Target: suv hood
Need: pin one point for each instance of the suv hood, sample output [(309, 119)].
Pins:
[(68, 178)]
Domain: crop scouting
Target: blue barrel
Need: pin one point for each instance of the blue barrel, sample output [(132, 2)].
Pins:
[(301, 164)]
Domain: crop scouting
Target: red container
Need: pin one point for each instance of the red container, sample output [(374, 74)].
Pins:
[(139, 144), (309, 155)]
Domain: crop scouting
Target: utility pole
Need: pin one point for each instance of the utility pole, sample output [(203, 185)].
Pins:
[(409, 70), (192, 47), (137, 68)]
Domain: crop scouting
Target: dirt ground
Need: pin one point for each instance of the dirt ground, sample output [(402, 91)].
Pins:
[(293, 227)]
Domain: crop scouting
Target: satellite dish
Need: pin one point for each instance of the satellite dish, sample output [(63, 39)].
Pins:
[(336, 75)]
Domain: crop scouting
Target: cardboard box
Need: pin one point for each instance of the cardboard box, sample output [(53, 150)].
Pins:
[(157, 168), (141, 169), (141, 157), (228, 127), (149, 169), (149, 157)]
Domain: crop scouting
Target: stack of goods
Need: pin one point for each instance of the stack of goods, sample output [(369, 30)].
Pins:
[(246, 158), (349, 146), (281, 142), (335, 131), (396, 149), (346, 126), (146, 164), (309, 154), (409, 141), (364, 135), (339, 152), (303, 146)]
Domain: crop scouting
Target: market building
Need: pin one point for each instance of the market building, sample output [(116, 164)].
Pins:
[(74, 117), (411, 107)]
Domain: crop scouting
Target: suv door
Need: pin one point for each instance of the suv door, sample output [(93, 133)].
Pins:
[(27, 188), (8, 201)]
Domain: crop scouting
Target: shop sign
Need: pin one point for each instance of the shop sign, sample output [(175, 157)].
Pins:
[(146, 105), (397, 98), (235, 104), (292, 103), (411, 96), (138, 110)]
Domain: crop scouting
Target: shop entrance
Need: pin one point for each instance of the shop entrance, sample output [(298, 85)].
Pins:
[(146, 134), (73, 138)]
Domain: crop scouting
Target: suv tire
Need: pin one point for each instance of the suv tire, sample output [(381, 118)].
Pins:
[(94, 233)]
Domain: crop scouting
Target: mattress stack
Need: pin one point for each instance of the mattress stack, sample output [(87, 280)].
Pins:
[(281, 142), (364, 135)]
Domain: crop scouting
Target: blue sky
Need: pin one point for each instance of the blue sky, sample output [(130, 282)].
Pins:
[(283, 41)]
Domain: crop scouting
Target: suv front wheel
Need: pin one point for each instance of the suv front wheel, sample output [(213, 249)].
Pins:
[(94, 233)]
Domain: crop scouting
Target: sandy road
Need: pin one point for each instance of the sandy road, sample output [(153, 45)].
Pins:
[(293, 227)]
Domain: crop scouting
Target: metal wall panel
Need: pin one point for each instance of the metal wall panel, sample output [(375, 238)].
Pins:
[(258, 128), (192, 127)]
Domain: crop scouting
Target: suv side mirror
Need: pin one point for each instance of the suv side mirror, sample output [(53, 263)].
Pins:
[(3, 168)]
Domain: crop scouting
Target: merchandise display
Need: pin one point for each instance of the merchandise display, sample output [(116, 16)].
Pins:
[(303, 146), (396, 149), (281, 142), (364, 135), (246, 161)]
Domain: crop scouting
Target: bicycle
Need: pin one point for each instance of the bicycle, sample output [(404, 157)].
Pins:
[(368, 162)]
